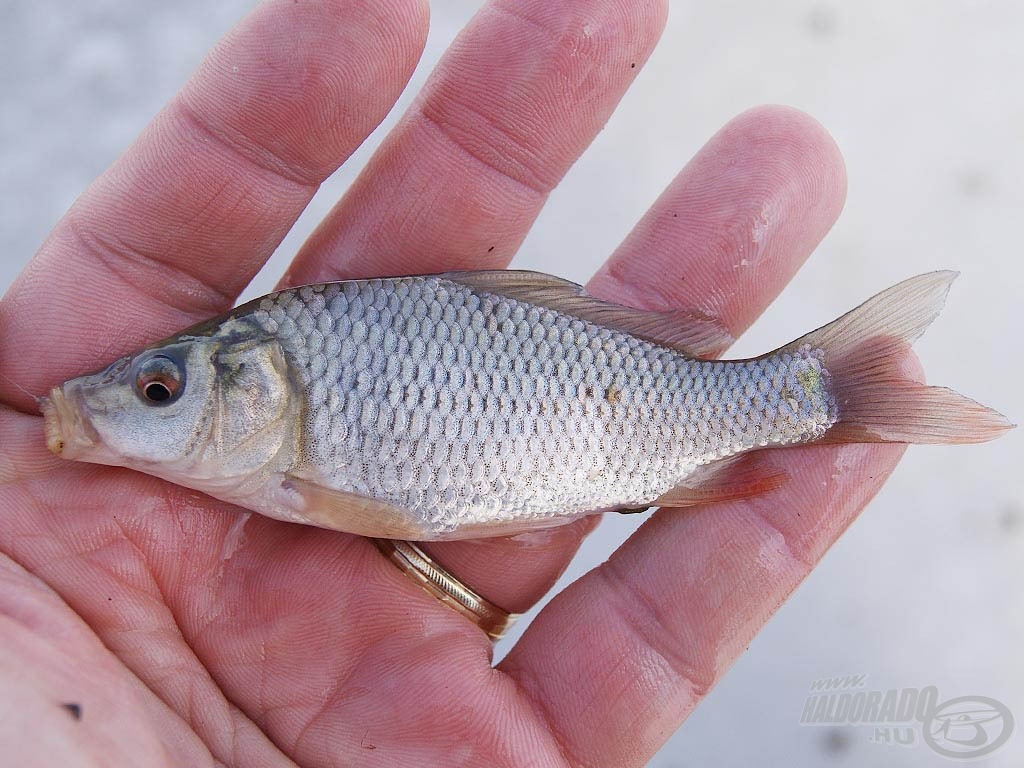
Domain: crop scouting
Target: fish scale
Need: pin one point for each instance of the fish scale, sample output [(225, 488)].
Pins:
[(508, 411)]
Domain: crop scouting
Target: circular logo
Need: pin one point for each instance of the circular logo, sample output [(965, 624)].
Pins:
[(968, 727)]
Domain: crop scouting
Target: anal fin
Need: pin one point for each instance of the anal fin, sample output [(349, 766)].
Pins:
[(737, 477)]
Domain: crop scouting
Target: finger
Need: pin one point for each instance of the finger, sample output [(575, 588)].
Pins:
[(723, 239), (678, 603), (733, 228), (265, 633), (57, 681), (178, 226), (23, 453), (521, 92), (458, 183), (717, 227)]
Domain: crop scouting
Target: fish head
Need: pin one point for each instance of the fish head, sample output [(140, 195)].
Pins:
[(192, 410)]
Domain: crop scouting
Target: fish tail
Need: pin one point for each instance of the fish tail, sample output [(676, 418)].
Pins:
[(877, 398)]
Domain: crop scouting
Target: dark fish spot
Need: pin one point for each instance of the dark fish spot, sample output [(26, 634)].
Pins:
[(632, 65), (73, 708), (490, 249)]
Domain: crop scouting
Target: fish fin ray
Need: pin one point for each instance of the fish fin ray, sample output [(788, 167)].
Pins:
[(876, 399), (505, 528), (892, 409), (737, 477), (352, 513), (687, 332)]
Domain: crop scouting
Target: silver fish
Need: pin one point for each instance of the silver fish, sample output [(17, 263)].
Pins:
[(489, 403)]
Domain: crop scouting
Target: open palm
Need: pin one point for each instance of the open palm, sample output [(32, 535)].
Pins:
[(175, 631)]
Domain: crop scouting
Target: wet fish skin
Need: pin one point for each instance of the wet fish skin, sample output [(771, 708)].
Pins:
[(430, 407)]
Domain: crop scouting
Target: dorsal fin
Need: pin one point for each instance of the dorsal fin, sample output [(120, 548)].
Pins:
[(686, 332)]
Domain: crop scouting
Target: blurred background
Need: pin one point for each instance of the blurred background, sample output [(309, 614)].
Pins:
[(925, 101)]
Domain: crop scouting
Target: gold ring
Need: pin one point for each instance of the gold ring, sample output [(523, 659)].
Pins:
[(418, 566)]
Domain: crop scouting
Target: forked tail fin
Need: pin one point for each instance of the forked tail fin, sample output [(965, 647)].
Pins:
[(876, 400)]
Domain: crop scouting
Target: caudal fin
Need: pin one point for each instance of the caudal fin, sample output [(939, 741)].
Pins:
[(876, 400)]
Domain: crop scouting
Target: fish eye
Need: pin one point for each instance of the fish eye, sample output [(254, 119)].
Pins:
[(159, 380)]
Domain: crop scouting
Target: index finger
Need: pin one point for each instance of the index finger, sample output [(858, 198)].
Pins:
[(183, 220)]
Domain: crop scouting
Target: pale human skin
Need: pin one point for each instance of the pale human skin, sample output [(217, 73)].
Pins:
[(187, 643)]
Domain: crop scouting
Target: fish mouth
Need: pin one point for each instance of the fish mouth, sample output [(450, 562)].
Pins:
[(68, 431)]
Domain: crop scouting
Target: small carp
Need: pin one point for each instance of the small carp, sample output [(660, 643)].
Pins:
[(475, 404)]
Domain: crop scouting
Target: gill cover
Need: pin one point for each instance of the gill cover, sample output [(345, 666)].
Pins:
[(204, 411)]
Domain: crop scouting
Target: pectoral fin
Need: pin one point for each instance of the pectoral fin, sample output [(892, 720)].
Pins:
[(352, 513)]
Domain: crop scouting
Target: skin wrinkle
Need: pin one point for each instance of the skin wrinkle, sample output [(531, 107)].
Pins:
[(329, 704), (729, 244), (646, 678), (632, 614), (338, 678), (540, 710), (200, 687), (212, 613), (25, 606), (786, 550), (10, 567), (245, 204), (420, 217), (579, 90), (250, 151), (187, 209), (531, 186), (577, 34), (124, 262), (178, 699), (803, 538), (340, 691), (780, 567), (96, 704), (334, 75), (517, 145)]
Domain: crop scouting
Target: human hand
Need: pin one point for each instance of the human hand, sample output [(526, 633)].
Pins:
[(187, 640)]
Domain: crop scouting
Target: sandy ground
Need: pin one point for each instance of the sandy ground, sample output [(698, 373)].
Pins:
[(925, 102)]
